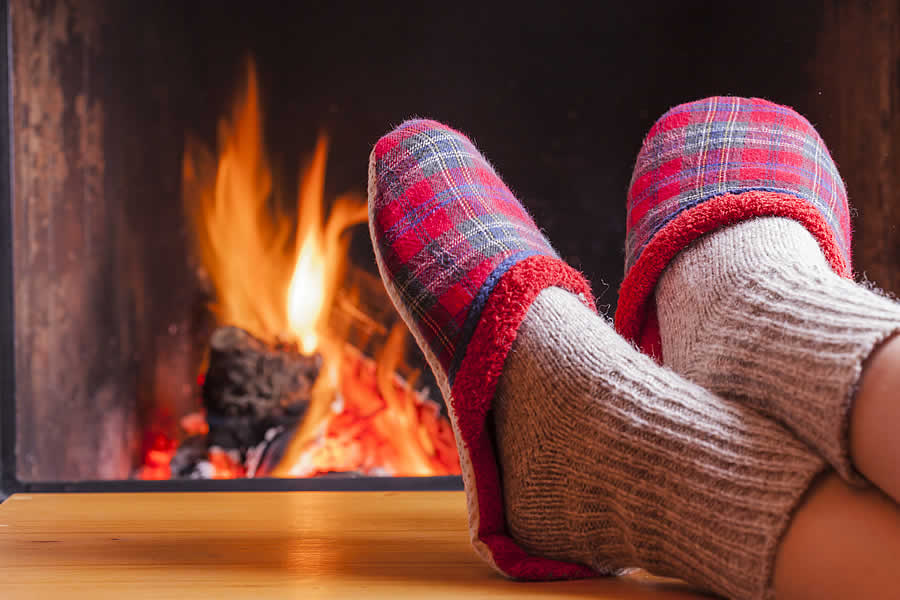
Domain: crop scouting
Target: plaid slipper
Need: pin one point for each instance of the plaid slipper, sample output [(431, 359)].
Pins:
[(462, 261), (712, 163)]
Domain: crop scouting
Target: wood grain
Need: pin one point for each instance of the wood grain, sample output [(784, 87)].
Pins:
[(265, 545)]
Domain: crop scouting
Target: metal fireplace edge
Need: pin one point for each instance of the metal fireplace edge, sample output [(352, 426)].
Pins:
[(8, 482)]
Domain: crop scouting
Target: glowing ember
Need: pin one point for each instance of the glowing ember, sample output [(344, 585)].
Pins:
[(378, 425), (275, 273), (158, 450), (224, 465)]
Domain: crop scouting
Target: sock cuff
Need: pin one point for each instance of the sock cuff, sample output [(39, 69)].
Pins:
[(636, 319), (840, 324)]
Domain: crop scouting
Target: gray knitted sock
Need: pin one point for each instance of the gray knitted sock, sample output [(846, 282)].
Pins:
[(612, 461), (753, 312)]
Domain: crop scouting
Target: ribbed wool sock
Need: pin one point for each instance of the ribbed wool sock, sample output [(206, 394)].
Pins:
[(754, 312), (739, 229), (610, 460), (580, 455)]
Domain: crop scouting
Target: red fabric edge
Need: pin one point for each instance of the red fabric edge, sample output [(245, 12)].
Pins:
[(636, 318), (473, 394)]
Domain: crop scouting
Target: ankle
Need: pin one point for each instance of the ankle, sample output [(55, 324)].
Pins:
[(764, 257), (874, 417), (611, 461), (750, 249), (754, 312)]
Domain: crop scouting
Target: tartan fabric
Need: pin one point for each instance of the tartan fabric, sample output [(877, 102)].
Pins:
[(727, 145), (713, 163), (446, 229)]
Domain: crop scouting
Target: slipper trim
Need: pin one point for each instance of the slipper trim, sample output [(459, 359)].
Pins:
[(636, 318), (471, 401)]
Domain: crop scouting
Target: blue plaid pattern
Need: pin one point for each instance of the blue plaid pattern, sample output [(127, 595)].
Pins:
[(725, 145), (446, 228)]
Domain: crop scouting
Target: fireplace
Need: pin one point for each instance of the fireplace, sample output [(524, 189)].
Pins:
[(190, 299)]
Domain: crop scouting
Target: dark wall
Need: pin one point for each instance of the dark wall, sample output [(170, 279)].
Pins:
[(856, 97), (557, 97)]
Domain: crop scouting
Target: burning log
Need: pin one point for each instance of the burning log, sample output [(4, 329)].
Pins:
[(376, 425), (252, 387), (375, 428)]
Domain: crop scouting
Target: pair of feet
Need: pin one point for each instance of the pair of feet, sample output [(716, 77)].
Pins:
[(582, 455)]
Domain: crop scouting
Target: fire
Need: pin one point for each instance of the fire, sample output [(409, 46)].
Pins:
[(274, 273), (320, 251), (275, 269), (306, 296), (379, 424)]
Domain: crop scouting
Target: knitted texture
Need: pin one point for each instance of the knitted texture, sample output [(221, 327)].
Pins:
[(718, 161), (613, 461), (755, 313), (462, 261)]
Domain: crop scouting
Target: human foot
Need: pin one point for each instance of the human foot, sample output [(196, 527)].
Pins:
[(606, 459), (757, 304), (754, 312), (462, 261), (610, 460)]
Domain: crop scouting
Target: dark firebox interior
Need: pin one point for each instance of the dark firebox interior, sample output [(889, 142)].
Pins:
[(109, 319)]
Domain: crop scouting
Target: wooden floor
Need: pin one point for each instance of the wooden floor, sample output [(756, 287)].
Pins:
[(397, 545)]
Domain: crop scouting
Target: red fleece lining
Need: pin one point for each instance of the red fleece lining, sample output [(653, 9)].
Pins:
[(636, 318), (473, 395)]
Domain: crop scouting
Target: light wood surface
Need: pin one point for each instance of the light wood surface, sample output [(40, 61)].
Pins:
[(400, 545)]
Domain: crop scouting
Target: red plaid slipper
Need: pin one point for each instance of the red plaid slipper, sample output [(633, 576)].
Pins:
[(462, 261), (712, 163)]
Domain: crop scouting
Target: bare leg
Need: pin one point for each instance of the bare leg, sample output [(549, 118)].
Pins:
[(842, 543), (875, 419)]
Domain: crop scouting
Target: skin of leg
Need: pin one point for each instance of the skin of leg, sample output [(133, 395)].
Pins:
[(875, 418), (843, 542)]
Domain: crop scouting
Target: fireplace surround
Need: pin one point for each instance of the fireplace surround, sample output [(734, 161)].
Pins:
[(104, 315)]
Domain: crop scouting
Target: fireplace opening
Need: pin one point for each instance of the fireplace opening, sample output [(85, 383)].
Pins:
[(304, 374), (194, 301)]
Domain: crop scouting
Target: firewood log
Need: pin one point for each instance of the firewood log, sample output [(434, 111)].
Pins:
[(251, 387)]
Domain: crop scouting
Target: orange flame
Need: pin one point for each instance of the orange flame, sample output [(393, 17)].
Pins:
[(275, 274)]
